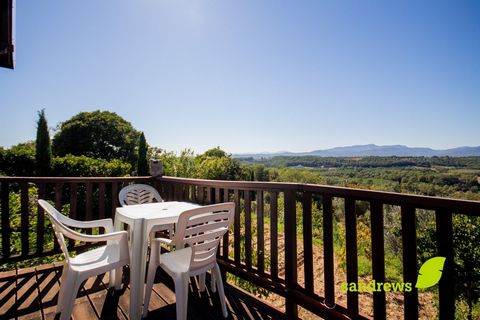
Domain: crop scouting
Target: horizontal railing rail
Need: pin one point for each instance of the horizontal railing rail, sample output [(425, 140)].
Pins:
[(420, 202), (262, 246)]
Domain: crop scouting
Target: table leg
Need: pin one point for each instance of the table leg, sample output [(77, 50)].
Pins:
[(137, 270), (113, 274)]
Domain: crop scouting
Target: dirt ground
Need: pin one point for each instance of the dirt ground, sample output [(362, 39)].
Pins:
[(395, 307)]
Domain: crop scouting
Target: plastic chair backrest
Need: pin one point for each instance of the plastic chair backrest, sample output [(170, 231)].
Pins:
[(138, 194), (58, 221), (201, 229)]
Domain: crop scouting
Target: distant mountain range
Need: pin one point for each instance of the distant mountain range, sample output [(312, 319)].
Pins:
[(372, 150)]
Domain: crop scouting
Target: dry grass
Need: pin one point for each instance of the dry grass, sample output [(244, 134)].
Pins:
[(395, 308)]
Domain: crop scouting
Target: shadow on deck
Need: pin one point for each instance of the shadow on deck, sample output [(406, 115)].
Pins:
[(32, 294)]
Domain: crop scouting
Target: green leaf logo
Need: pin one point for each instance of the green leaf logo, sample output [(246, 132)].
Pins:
[(430, 272)]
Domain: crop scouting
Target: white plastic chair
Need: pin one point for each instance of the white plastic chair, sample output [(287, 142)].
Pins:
[(197, 238), (112, 256), (138, 194)]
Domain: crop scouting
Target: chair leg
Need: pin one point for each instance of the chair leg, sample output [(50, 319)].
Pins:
[(152, 269), (221, 292), (118, 278), (201, 282), (63, 289), (111, 278), (69, 298), (213, 285), (181, 294)]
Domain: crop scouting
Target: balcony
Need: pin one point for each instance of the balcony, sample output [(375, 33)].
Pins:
[(264, 247)]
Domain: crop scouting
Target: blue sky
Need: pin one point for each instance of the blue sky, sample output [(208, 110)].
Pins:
[(251, 76)]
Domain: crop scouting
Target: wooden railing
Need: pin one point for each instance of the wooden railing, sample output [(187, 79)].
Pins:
[(88, 198), (288, 286), (252, 253)]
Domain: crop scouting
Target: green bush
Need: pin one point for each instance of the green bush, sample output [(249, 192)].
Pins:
[(214, 164), (19, 160), (82, 166)]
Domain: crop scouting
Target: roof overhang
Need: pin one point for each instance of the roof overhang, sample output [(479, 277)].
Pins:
[(6, 33)]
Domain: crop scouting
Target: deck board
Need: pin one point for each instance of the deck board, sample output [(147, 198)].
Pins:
[(7, 293), (84, 308), (32, 293), (28, 305)]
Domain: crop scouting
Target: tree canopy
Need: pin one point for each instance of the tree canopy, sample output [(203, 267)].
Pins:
[(97, 134), (215, 153)]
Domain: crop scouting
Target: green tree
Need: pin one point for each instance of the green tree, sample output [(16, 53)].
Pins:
[(97, 134), (215, 164), (142, 164), (215, 153), (43, 150), (260, 173)]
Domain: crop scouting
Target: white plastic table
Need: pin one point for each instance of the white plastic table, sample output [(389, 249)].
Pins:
[(142, 218)]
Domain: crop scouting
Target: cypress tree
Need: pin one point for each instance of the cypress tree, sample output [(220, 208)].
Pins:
[(43, 150), (142, 164)]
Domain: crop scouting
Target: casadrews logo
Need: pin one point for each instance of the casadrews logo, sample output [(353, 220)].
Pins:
[(428, 276)]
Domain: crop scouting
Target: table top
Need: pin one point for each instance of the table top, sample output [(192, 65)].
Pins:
[(158, 210)]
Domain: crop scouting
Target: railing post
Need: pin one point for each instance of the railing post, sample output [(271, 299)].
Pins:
[(378, 258), (352, 256), (236, 228), (328, 259), (248, 229), (73, 210), (201, 195), (5, 221), (88, 204), (445, 249), (101, 200), (24, 217), (114, 199), (260, 234), (186, 193), (209, 195), (227, 234), (409, 241), (290, 252), (274, 234), (218, 199), (307, 241), (73, 200), (176, 192), (58, 206), (40, 219)]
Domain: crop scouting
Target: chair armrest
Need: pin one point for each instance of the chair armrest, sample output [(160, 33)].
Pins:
[(105, 223), (116, 236)]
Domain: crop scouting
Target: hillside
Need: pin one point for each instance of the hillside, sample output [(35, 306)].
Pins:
[(373, 150)]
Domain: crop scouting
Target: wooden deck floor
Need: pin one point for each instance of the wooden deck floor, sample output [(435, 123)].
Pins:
[(32, 294)]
